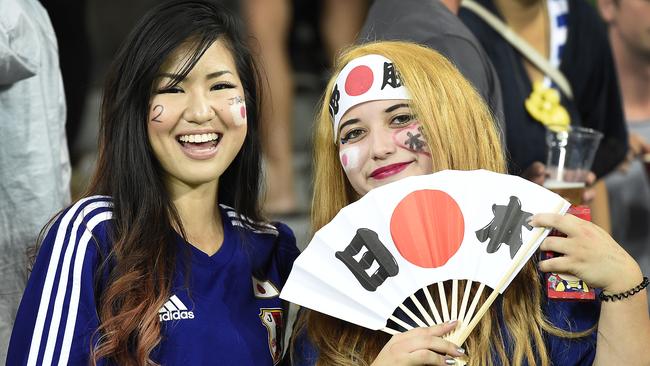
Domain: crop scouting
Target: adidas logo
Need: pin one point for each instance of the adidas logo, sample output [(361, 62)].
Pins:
[(174, 309)]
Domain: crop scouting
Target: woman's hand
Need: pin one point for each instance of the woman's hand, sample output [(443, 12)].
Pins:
[(420, 346), (589, 253)]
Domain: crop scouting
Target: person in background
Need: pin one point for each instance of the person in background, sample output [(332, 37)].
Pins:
[(571, 36), (166, 258), (360, 144), (629, 187), (34, 160), (435, 24), (269, 22)]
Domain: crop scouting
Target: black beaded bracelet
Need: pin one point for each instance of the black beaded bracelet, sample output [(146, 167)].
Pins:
[(626, 294)]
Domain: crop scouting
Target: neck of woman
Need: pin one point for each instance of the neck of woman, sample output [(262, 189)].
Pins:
[(520, 13), (529, 19), (199, 214)]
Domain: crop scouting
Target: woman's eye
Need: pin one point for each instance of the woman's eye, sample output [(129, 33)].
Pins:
[(172, 90), (351, 135), (402, 119), (221, 86)]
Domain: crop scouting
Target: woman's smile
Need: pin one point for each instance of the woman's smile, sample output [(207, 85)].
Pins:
[(389, 170), (199, 146)]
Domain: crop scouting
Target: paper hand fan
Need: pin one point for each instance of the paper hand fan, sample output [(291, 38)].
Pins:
[(373, 264)]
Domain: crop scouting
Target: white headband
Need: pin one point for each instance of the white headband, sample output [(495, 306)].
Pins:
[(367, 78)]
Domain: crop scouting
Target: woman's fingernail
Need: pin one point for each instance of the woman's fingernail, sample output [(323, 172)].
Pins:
[(450, 361), (460, 350), (453, 322)]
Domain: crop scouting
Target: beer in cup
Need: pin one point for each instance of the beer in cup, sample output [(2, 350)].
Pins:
[(569, 157)]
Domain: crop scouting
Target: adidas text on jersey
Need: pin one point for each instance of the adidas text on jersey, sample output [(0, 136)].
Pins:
[(174, 309)]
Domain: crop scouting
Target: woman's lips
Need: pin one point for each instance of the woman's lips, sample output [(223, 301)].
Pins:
[(388, 170), (201, 151)]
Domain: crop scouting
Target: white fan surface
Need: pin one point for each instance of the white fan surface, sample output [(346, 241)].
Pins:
[(322, 282)]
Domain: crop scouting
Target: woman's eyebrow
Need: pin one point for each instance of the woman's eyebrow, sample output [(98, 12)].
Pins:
[(167, 75), (211, 75), (396, 106), (216, 74), (348, 122)]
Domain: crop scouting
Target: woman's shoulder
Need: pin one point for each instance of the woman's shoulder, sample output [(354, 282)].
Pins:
[(88, 211), (87, 220), (275, 229), (272, 242)]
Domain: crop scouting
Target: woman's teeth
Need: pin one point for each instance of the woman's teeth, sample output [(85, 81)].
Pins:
[(199, 138)]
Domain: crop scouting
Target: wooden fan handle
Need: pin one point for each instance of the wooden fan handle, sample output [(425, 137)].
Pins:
[(460, 337)]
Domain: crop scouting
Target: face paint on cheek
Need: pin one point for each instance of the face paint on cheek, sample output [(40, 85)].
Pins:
[(238, 110), (411, 138), (156, 112), (349, 158)]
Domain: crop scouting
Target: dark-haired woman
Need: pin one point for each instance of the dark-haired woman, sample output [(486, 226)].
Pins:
[(166, 260)]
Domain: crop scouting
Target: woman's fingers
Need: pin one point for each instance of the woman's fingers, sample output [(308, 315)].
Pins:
[(428, 338), (432, 343), (588, 252), (556, 244), (426, 357), (567, 224), (420, 346), (557, 265)]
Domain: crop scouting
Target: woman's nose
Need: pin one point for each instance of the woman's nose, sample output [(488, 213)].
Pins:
[(383, 144), (199, 110)]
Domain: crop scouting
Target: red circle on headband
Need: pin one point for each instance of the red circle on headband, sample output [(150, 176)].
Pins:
[(359, 80)]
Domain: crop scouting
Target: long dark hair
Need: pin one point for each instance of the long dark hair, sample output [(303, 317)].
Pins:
[(141, 263)]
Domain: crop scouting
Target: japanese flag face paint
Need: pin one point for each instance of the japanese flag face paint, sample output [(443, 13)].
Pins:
[(412, 138), (350, 157), (367, 78), (238, 110)]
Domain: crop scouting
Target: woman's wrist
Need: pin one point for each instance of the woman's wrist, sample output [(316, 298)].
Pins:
[(625, 281), (625, 294)]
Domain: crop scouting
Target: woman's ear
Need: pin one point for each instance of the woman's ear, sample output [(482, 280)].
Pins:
[(608, 9)]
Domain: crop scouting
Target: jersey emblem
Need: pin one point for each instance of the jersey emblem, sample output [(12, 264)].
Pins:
[(264, 289), (174, 309), (272, 320)]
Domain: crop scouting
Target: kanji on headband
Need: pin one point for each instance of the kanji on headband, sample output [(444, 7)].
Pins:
[(367, 78)]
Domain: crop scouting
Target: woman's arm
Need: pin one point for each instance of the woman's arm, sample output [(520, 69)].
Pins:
[(57, 317), (592, 255)]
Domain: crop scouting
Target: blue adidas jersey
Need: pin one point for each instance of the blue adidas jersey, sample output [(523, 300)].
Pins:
[(227, 312)]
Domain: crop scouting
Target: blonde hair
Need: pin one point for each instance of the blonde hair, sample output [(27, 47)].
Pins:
[(461, 135)]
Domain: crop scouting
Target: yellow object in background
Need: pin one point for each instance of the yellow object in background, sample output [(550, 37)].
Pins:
[(543, 104)]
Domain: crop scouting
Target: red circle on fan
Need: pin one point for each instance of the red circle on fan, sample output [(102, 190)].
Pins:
[(359, 80), (427, 227)]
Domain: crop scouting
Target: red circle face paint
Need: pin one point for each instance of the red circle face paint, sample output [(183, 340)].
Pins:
[(344, 160), (359, 80)]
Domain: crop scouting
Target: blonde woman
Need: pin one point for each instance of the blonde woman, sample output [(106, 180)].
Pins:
[(395, 109)]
